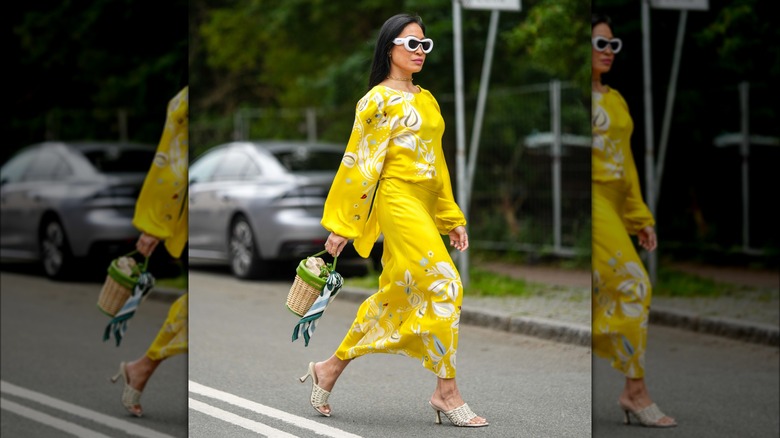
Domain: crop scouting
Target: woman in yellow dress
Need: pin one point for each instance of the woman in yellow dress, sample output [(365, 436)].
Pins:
[(161, 216), (393, 179), (621, 286)]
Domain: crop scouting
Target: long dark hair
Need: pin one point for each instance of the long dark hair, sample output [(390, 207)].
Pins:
[(380, 66), (600, 18)]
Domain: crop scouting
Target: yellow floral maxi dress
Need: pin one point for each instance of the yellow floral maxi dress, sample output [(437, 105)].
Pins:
[(161, 211), (393, 179), (621, 287)]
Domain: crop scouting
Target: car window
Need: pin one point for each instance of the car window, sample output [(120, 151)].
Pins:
[(237, 165), (303, 160), (46, 165), (13, 170), (115, 160), (203, 168)]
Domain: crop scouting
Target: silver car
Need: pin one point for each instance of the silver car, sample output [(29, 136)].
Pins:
[(61, 201), (259, 201)]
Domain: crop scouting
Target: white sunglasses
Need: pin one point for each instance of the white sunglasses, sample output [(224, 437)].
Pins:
[(412, 43), (600, 43)]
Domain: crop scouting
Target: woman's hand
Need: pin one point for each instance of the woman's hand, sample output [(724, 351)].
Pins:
[(335, 244), (146, 244), (647, 238), (459, 238)]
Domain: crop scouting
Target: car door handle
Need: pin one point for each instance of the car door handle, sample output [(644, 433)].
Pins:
[(224, 198)]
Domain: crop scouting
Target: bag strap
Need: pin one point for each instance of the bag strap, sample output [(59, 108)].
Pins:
[(146, 259), (335, 259)]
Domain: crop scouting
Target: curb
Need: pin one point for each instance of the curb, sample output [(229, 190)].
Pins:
[(576, 334), (752, 332), (538, 327)]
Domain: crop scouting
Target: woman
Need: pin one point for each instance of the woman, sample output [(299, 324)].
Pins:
[(161, 216), (393, 179), (621, 287)]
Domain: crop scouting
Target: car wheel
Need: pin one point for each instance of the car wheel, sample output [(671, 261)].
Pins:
[(55, 252), (245, 260)]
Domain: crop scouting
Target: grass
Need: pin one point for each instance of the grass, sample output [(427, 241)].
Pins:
[(673, 283), (482, 283)]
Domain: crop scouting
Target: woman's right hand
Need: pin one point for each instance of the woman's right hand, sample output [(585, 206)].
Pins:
[(647, 238), (146, 244), (335, 244)]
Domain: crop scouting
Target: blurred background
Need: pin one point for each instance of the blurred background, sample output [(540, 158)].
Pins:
[(91, 83), (293, 70), (88, 84), (712, 197)]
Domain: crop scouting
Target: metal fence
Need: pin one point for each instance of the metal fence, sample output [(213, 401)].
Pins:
[(531, 190)]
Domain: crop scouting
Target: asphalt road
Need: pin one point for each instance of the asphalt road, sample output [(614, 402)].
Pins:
[(713, 386), (56, 367), (244, 371)]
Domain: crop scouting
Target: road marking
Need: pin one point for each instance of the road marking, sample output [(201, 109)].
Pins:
[(238, 420), (40, 417), (125, 426), (295, 420)]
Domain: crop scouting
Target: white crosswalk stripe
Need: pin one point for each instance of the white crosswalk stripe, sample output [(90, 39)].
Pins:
[(300, 422), (60, 405), (238, 420), (40, 417)]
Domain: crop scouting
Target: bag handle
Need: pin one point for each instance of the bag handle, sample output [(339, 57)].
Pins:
[(323, 252), (146, 259)]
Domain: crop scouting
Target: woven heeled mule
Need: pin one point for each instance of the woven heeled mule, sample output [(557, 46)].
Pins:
[(648, 417), (460, 416), (319, 397), (131, 397)]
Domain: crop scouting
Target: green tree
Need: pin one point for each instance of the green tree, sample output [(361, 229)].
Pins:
[(82, 61), (554, 36)]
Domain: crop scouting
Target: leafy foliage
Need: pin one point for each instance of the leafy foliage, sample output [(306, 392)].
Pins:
[(553, 36)]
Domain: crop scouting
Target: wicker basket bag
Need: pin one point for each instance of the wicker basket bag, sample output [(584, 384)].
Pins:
[(118, 286), (307, 286)]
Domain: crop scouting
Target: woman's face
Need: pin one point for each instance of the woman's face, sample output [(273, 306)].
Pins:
[(602, 60), (404, 60)]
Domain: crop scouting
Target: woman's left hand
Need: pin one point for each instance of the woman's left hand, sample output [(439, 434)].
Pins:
[(647, 238), (459, 238)]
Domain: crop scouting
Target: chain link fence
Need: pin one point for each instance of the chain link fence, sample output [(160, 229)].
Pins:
[(531, 190)]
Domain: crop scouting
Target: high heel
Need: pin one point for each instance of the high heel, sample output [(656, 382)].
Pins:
[(649, 416), (460, 416), (131, 397), (319, 397)]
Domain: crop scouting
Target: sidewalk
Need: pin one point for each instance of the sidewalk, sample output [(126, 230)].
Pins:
[(751, 313), (561, 309)]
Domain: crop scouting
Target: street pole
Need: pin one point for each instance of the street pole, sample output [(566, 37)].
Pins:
[(744, 151), (476, 132), (649, 153), (669, 104), (555, 153), (460, 131)]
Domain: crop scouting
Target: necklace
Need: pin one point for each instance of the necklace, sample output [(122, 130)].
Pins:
[(399, 79)]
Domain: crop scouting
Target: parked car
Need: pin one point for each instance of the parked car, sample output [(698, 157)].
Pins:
[(62, 201), (254, 202)]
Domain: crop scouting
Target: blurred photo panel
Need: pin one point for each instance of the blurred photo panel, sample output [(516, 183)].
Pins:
[(685, 247), (96, 160)]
